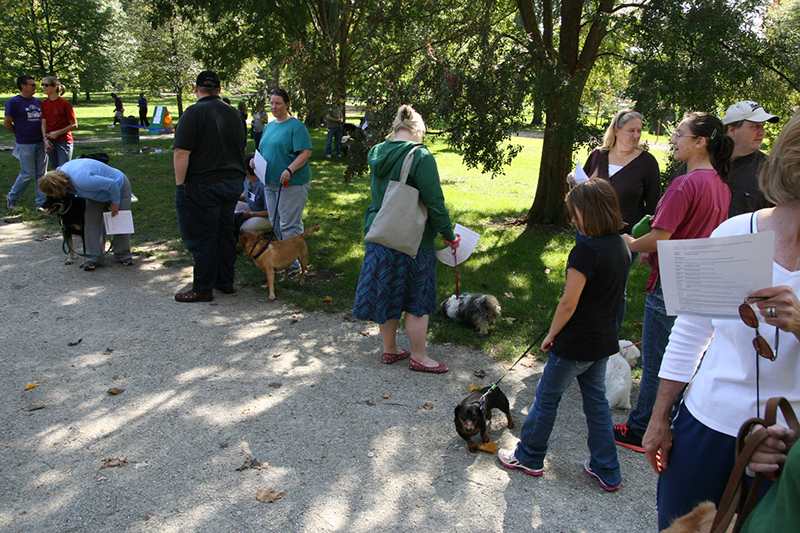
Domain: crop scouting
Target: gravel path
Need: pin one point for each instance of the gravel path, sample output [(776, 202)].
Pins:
[(349, 441)]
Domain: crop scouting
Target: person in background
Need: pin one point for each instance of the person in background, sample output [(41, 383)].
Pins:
[(143, 110), (23, 116), (744, 123), (259, 120), (694, 451), (286, 146), (392, 283), (58, 121), (251, 210), (102, 186), (334, 121), (242, 107), (119, 110), (209, 165), (692, 206), (632, 171)]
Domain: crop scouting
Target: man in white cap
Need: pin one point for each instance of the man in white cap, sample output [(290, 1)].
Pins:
[(744, 123)]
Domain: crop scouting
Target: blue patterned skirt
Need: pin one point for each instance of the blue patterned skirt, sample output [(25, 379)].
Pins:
[(392, 282)]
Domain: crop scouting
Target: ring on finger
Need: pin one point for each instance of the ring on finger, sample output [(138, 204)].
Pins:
[(771, 312)]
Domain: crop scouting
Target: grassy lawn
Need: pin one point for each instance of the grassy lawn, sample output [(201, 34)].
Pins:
[(524, 269)]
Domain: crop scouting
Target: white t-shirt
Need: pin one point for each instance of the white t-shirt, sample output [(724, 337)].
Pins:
[(722, 395)]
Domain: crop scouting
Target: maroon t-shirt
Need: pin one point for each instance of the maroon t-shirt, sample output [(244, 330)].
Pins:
[(691, 208)]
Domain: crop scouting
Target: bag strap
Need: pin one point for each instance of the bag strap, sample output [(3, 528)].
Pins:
[(737, 493), (407, 163)]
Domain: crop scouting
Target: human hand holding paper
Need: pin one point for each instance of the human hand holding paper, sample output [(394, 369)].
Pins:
[(469, 240)]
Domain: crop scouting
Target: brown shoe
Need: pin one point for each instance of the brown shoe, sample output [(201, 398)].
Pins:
[(191, 296)]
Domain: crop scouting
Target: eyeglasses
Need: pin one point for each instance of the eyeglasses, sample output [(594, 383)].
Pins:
[(759, 343), (48, 85), (678, 135)]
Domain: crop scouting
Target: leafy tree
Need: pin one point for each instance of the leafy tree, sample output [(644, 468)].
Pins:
[(47, 37)]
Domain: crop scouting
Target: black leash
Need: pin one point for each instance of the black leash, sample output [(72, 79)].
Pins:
[(271, 231), (534, 343)]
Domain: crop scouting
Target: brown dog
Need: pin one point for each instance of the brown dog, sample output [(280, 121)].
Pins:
[(278, 256), (699, 520)]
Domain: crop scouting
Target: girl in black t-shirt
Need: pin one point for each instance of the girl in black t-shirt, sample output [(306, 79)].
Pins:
[(583, 334)]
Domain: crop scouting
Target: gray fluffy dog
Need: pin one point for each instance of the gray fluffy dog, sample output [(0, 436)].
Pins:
[(477, 310)]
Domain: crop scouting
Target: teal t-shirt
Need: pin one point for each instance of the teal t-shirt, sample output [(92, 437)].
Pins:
[(280, 144)]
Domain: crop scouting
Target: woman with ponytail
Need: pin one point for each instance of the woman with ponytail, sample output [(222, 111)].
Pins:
[(692, 207), (58, 121)]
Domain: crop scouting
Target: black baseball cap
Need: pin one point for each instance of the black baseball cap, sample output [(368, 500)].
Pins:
[(208, 79)]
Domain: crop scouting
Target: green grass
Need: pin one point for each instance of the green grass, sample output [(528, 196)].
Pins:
[(524, 269)]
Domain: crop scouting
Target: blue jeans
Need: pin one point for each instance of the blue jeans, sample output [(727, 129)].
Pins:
[(556, 378), (655, 336), (205, 220), (580, 237), (61, 153), (32, 164), (336, 134)]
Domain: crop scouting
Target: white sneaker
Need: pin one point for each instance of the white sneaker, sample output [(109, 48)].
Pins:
[(507, 458)]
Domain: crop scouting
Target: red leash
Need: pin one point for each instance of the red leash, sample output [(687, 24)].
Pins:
[(455, 258)]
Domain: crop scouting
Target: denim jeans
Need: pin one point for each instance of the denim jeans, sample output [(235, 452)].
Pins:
[(655, 336), (205, 220), (32, 164), (336, 134), (556, 378), (61, 153), (580, 237)]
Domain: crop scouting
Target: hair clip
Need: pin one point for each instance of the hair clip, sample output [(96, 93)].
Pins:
[(713, 133)]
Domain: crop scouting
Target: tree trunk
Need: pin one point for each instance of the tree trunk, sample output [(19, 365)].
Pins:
[(74, 98), (537, 114), (561, 112), (88, 97), (180, 102)]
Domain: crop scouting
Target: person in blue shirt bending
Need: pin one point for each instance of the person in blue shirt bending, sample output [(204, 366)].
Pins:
[(102, 186)]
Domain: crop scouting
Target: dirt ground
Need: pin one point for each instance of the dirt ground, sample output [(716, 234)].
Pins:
[(351, 444)]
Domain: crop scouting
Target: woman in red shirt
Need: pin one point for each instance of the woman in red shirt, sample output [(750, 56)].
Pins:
[(58, 121)]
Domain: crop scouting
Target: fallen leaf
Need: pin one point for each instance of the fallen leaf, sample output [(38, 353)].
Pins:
[(528, 362), (108, 351), (639, 323), (365, 333), (508, 294), (490, 447), (255, 464), (385, 396), (244, 412), (33, 407), (327, 299), (277, 354), (275, 385), (508, 367), (29, 386), (77, 342), (480, 374), (509, 320), (473, 387), (428, 406), (114, 391), (113, 461), (269, 495)]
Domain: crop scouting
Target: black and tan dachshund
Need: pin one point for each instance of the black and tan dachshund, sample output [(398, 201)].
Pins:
[(473, 414)]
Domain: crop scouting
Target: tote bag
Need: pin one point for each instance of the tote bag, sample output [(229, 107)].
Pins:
[(401, 219)]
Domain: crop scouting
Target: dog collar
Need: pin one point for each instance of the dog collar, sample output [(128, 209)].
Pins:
[(259, 253)]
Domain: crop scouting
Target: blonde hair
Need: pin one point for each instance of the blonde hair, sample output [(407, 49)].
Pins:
[(620, 119), (780, 176), (54, 183), (53, 80), (408, 119)]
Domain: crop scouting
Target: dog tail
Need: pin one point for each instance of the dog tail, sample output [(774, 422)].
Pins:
[(313, 228)]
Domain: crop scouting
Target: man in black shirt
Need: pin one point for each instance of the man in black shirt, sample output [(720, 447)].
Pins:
[(209, 170)]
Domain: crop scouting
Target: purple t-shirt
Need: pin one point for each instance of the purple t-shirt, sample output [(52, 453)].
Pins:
[(27, 116)]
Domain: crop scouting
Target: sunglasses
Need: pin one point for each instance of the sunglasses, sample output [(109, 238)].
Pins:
[(279, 92), (48, 85), (761, 345)]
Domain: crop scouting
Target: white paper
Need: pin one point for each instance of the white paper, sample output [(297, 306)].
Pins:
[(579, 175), (261, 167), (469, 240), (122, 223), (712, 277)]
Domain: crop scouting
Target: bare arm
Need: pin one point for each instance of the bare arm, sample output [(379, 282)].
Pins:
[(295, 165), (576, 281), (180, 160), (647, 243), (8, 123), (657, 441)]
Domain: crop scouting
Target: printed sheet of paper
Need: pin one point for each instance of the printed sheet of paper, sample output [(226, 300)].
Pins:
[(469, 240), (712, 277), (122, 223), (261, 167), (580, 175)]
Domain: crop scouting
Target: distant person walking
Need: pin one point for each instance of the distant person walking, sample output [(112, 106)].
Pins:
[(209, 165), (143, 110), (58, 121), (23, 118), (119, 110), (333, 121)]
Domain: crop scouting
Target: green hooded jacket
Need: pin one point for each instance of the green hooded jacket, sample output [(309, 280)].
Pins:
[(385, 160)]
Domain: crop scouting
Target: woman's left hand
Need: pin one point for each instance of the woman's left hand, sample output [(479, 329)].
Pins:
[(780, 307), (547, 343)]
